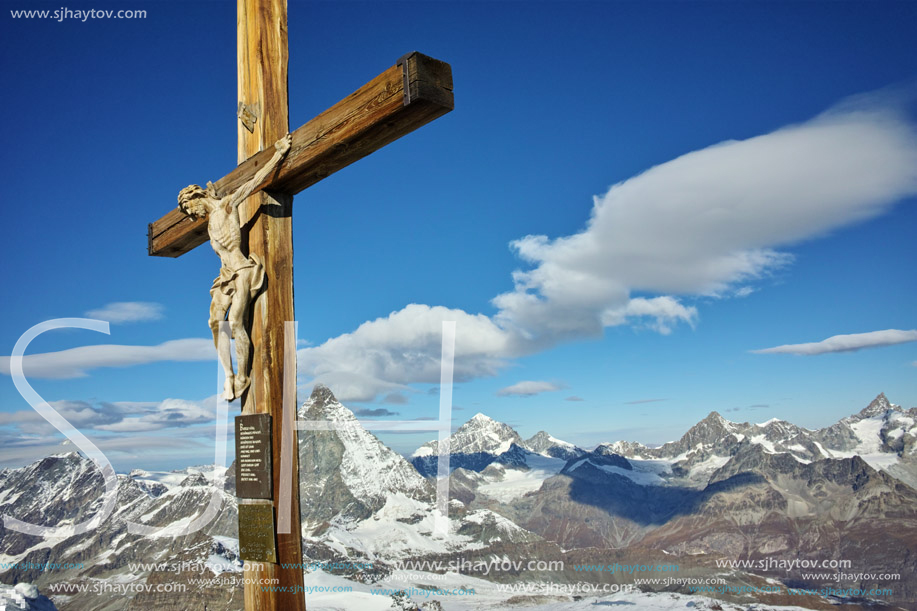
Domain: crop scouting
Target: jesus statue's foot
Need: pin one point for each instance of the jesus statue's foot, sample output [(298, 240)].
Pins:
[(228, 389), (242, 382)]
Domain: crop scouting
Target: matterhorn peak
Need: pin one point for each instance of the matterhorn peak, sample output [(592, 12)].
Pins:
[(479, 417), (323, 405), (348, 463), (322, 394)]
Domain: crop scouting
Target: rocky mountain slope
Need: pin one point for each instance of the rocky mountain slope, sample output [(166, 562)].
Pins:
[(723, 491), (66, 489), (731, 490)]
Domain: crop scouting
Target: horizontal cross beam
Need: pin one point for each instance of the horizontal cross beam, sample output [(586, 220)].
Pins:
[(408, 95)]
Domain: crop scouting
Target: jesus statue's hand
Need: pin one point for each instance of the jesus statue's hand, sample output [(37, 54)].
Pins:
[(283, 145)]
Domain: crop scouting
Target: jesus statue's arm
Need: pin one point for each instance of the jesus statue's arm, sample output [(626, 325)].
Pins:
[(242, 193)]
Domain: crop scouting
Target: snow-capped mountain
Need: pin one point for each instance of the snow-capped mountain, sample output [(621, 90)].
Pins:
[(359, 498), (763, 504), (482, 441), (724, 490), (490, 462), (475, 444), (348, 468), (734, 489), (882, 434), (67, 489), (542, 443)]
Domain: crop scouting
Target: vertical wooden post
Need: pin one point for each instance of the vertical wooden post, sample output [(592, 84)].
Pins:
[(262, 66)]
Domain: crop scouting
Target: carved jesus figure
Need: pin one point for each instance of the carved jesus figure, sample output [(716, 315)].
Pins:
[(241, 278)]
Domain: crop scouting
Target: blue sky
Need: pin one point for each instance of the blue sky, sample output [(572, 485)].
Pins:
[(709, 181)]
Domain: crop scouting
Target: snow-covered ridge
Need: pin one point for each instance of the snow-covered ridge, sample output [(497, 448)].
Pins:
[(480, 435), (883, 434), (172, 479), (548, 445)]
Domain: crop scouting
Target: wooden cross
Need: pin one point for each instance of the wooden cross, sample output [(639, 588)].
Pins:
[(408, 95)]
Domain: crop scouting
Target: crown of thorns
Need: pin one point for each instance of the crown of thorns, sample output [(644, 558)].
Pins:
[(194, 192), (188, 193)]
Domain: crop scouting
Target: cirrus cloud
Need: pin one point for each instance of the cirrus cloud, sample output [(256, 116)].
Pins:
[(845, 343), (712, 221), (127, 311), (77, 362), (641, 401), (528, 388)]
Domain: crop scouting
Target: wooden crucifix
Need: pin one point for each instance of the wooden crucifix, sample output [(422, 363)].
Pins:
[(404, 97)]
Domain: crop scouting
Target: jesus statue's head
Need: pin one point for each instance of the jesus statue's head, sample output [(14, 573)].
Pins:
[(193, 201)]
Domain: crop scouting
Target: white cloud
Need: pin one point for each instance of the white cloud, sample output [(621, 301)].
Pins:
[(528, 388), (846, 343), (665, 311), (127, 311), (744, 291), (387, 354), (76, 362), (709, 223), (711, 220)]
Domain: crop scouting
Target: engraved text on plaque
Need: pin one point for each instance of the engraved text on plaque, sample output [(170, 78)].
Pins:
[(253, 456)]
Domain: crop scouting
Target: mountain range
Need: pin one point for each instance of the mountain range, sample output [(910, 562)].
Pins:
[(725, 490)]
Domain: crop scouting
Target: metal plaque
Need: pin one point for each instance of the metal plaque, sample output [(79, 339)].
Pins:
[(257, 541), (254, 478)]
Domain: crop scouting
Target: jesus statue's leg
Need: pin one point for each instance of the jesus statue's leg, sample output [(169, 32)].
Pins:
[(237, 316), (218, 306)]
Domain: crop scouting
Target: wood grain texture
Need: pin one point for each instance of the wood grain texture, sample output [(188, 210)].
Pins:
[(365, 121), (267, 232)]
